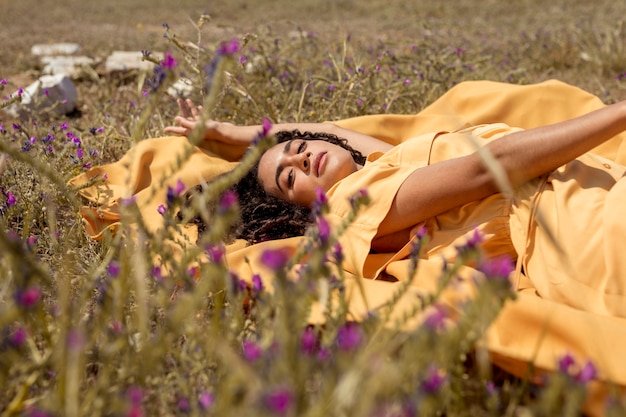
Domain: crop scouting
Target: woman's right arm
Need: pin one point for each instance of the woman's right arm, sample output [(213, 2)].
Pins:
[(522, 156), (244, 135)]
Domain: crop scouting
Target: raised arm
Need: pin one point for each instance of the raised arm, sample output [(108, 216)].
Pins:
[(522, 156), (243, 135)]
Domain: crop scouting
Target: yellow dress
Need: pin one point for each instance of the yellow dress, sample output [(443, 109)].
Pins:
[(565, 228), (550, 317)]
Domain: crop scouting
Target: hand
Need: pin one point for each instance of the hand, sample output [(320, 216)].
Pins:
[(188, 118), (225, 132)]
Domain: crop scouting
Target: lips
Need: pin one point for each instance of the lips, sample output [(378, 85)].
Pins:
[(318, 163)]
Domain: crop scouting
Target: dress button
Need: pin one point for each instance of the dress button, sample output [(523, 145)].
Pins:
[(607, 166)]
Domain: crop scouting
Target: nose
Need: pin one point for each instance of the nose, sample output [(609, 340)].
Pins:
[(302, 161)]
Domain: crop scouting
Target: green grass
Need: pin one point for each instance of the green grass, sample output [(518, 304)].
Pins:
[(101, 335)]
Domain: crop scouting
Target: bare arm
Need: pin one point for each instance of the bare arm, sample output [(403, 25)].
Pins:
[(522, 155), (244, 135)]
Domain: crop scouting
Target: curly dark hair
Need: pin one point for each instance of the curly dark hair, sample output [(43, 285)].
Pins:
[(267, 217)]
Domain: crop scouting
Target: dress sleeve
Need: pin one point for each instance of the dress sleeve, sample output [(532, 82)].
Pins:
[(380, 177)]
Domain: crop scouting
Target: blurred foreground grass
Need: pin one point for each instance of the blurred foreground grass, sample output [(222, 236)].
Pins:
[(92, 329)]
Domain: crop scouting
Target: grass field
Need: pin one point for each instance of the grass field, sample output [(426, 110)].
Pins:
[(87, 328)]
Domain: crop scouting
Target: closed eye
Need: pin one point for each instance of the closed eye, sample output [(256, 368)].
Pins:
[(291, 174)]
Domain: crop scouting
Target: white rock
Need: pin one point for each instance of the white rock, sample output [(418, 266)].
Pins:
[(129, 60), (182, 88), (68, 65), (55, 49), (54, 92)]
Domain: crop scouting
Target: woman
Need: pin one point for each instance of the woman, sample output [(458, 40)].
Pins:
[(452, 191)]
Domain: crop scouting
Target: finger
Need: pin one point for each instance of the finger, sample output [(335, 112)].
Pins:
[(192, 107), (182, 106), (185, 123), (175, 129)]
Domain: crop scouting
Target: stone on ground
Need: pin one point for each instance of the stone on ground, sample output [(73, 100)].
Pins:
[(54, 93), (129, 60), (55, 49), (66, 65)]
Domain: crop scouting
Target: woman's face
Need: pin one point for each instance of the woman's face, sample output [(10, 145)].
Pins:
[(294, 170)]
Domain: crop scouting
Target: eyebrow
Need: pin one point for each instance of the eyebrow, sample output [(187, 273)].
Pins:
[(280, 168)]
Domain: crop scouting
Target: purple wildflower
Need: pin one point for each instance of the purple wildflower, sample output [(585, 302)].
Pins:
[(215, 253), (323, 354), (251, 350), (205, 401), (28, 297), (436, 319), (360, 197), (323, 229), (279, 401), (497, 268), (10, 199), (228, 200), (161, 209), (135, 394), (4, 81), (116, 327), (566, 362), (169, 62), (135, 411), (266, 126), (229, 48), (257, 284), (243, 60), (349, 337), (113, 269), (183, 404), (472, 244), (157, 274), (17, 337), (434, 380), (321, 199), (173, 192), (31, 241), (275, 259), (125, 202), (337, 252), (475, 240), (80, 153), (308, 341), (587, 373), (74, 138), (159, 75), (238, 285)]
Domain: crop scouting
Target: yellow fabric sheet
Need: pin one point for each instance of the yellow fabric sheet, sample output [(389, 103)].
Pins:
[(529, 330)]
